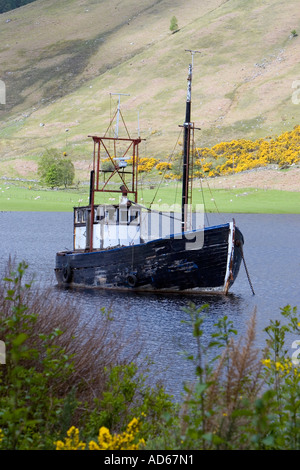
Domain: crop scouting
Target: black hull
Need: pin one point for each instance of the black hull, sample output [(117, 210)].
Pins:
[(165, 265)]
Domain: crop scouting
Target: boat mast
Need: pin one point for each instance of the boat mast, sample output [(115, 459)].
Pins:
[(186, 145), (186, 151), (118, 111)]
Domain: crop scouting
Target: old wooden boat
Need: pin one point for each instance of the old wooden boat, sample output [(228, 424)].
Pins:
[(126, 246)]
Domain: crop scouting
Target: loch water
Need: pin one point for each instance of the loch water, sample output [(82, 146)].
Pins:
[(272, 255)]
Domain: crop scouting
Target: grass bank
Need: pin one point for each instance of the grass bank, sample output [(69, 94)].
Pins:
[(16, 198)]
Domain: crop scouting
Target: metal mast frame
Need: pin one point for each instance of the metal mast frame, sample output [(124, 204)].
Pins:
[(101, 145), (187, 163)]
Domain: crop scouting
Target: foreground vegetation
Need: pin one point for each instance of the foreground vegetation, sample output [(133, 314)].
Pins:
[(66, 387)]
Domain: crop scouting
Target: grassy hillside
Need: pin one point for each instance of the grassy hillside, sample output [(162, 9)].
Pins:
[(61, 60)]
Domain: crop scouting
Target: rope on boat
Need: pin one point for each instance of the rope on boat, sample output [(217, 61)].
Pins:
[(152, 210), (246, 269), (163, 173)]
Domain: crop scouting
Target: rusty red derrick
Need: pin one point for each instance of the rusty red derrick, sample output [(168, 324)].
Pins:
[(102, 142), (101, 151)]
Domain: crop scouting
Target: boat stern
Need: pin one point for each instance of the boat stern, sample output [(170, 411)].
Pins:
[(234, 259)]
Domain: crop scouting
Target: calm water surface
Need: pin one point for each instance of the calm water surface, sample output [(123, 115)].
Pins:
[(271, 252)]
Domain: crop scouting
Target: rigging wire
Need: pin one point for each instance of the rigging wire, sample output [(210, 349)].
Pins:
[(246, 269), (204, 201), (141, 180), (212, 198), (163, 174), (177, 183)]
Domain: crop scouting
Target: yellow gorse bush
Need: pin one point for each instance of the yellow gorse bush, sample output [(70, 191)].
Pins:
[(72, 441), (284, 368), (235, 156), (126, 440), (240, 155), (161, 166), (147, 164)]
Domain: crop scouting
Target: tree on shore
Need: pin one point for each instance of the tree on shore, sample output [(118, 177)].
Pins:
[(55, 169)]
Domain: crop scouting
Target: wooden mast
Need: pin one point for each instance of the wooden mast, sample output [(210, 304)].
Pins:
[(186, 152)]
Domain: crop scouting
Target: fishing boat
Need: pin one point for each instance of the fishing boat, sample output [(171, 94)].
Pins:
[(126, 246)]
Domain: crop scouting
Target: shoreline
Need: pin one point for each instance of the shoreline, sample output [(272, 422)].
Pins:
[(263, 190)]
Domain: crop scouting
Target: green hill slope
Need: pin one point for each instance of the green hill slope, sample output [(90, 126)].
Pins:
[(60, 61)]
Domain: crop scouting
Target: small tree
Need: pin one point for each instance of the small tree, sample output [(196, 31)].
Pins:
[(55, 169), (173, 24), (52, 176), (67, 171)]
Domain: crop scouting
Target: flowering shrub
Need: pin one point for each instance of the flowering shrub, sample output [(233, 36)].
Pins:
[(240, 155), (231, 157), (161, 166), (72, 441), (106, 441), (284, 368), (146, 164)]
